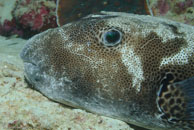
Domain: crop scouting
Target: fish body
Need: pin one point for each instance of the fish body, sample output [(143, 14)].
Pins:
[(136, 68)]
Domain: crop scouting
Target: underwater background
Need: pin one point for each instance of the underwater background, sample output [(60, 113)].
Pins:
[(24, 109), (26, 18)]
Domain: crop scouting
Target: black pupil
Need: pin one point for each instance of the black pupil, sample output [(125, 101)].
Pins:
[(112, 36)]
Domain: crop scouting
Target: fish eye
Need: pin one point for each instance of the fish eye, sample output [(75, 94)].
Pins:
[(112, 37)]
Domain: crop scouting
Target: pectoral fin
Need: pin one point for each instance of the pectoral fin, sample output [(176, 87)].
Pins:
[(176, 102)]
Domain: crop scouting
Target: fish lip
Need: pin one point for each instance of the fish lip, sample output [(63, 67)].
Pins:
[(23, 55), (27, 58), (29, 62), (33, 73)]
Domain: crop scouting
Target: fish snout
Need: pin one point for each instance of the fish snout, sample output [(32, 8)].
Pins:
[(34, 59)]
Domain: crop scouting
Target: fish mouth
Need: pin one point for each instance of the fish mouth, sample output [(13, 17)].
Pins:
[(33, 73), (40, 81)]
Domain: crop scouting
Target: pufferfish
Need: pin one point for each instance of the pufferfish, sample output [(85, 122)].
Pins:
[(135, 68)]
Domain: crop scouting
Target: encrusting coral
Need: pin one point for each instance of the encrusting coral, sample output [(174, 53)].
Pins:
[(177, 10), (30, 17)]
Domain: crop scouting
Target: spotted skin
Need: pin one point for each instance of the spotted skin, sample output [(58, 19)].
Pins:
[(129, 80)]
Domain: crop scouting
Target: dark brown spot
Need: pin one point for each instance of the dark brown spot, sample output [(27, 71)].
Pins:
[(178, 101), (183, 105), (161, 101), (169, 77), (168, 95), (178, 115), (172, 88), (172, 101), (175, 108), (177, 93), (165, 108)]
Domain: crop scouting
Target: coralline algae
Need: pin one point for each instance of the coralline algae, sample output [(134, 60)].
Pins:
[(177, 10), (27, 17)]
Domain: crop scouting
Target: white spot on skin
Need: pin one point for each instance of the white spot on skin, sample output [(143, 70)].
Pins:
[(65, 38), (180, 58), (62, 33), (134, 65), (89, 44)]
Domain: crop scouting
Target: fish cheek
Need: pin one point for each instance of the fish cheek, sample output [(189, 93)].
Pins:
[(67, 62), (113, 85), (81, 75), (78, 71), (83, 88)]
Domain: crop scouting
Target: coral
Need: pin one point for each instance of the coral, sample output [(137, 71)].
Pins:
[(39, 15), (178, 10), (163, 6), (36, 18), (10, 28), (181, 7), (29, 18)]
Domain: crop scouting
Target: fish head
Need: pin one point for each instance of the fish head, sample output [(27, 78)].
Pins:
[(81, 64), (86, 53), (110, 64)]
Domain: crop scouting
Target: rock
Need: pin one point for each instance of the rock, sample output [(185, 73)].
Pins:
[(6, 7), (22, 108)]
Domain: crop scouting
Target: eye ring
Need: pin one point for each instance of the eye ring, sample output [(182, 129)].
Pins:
[(112, 37)]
